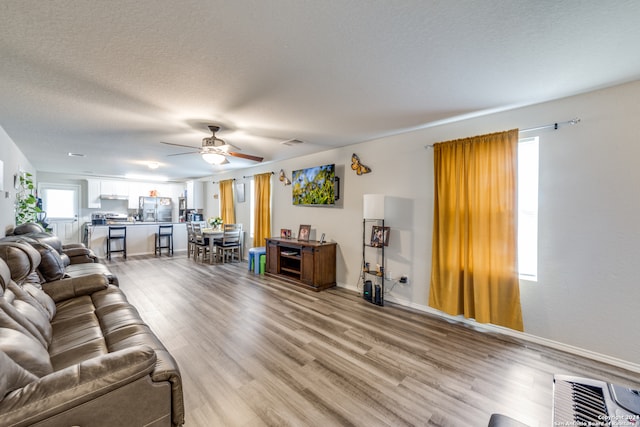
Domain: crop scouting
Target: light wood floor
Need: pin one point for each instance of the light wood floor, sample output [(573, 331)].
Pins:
[(255, 351)]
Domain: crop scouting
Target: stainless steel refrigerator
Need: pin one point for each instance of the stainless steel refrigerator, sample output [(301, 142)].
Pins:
[(155, 209)]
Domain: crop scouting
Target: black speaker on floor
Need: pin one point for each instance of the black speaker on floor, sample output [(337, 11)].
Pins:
[(366, 291), (377, 298)]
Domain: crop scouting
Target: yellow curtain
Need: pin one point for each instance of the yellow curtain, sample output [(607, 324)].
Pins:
[(262, 208), (227, 211), (474, 249)]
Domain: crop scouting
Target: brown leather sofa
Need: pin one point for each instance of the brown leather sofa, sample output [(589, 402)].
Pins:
[(73, 351), (58, 260)]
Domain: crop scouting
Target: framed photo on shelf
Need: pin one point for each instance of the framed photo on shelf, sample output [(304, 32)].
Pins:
[(379, 236), (303, 234), (285, 233)]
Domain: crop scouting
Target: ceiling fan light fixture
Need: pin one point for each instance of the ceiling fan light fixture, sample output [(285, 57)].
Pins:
[(213, 158)]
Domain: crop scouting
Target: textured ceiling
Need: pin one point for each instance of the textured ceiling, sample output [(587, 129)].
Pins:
[(111, 79)]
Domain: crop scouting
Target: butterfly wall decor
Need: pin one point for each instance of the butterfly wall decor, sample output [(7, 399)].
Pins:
[(357, 166), (283, 178)]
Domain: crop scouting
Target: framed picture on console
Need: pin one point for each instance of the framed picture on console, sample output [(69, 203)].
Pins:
[(379, 236), (285, 233), (303, 234)]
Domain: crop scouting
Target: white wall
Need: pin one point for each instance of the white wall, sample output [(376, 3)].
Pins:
[(587, 293), (589, 232), (13, 161)]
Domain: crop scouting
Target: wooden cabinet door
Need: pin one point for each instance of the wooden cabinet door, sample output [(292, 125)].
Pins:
[(273, 257), (307, 273)]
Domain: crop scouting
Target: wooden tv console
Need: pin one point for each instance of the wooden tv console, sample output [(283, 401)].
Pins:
[(308, 264)]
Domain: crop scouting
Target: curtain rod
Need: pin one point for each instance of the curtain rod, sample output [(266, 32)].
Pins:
[(251, 176), (233, 179), (555, 126)]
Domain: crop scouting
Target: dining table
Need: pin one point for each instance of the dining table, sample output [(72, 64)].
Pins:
[(212, 234)]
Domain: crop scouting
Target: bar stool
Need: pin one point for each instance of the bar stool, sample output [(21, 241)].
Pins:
[(164, 232), (255, 254), (117, 234)]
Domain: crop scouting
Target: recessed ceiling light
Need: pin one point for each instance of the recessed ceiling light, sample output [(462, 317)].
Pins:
[(153, 165), (76, 155)]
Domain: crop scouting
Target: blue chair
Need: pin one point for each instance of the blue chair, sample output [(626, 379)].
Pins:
[(254, 258)]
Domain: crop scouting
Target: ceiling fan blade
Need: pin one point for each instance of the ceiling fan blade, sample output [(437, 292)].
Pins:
[(182, 154), (245, 156), (180, 145)]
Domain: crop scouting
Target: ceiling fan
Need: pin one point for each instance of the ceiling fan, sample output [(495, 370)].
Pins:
[(215, 150)]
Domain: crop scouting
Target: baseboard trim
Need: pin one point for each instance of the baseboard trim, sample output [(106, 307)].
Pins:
[(620, 363)]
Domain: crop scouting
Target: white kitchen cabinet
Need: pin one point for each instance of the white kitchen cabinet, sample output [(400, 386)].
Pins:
[(93, 194), (195, 195), (136, 189), (114, 188)]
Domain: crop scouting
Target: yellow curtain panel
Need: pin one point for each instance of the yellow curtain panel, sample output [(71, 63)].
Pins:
[(227, 210), (474, 249), (262, 208)]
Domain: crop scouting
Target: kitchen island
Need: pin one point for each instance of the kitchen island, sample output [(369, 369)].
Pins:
[(140, 237)]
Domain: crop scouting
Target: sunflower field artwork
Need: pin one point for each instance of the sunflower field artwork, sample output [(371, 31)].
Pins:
[(314, 186)]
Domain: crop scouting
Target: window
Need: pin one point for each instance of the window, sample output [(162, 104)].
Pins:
[(252, 194), (59, 203), (528, 208)]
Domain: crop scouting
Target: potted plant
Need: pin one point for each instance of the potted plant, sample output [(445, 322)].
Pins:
[(215, 223), (27, 208)]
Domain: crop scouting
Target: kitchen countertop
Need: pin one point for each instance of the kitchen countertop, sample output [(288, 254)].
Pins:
[(141, 237), (135, 223)]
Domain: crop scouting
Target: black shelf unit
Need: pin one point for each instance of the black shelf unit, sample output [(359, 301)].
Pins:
[(182, 209), (374, 292)]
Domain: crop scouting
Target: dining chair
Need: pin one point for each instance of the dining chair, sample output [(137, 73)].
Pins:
[(230, 245), (231, 227), (191, 240), (200, 243)]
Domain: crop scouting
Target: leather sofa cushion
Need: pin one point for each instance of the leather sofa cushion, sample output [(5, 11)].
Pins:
[(11, 318), (30, 308), (51, 267), (39, 295), (25, 351), (27, 228), (77, 335), (21, 258), (12, 375), (53, 241)]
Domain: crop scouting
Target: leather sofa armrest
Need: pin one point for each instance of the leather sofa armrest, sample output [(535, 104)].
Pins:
[(79, 255), (67, 246), (75, 385), (167, 370), (63, 289)]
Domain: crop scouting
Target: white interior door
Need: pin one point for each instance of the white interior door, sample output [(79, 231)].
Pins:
[(61, 203)]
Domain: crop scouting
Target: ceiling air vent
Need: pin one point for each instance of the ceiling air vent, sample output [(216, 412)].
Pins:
[(292, 142)]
